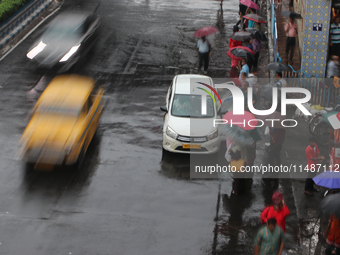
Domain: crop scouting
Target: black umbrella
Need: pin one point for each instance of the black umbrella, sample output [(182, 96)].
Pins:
[(255, 32), (331, 205), (241, 53), (289, 14), (277, 66), (241, 36), (267, 92)]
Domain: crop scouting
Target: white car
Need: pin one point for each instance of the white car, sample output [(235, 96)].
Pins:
[(187, 127)]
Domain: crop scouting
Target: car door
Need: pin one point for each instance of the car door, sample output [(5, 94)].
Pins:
[(96, 103)]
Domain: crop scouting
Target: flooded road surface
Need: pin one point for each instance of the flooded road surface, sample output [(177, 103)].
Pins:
[(125, 199)]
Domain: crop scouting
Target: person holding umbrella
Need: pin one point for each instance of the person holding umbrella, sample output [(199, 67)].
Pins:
[(332, 234), (256, 48), (291, 33), (204, 52), (244, 67), (313, 157)]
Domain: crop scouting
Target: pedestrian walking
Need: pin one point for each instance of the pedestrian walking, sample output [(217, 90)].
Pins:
[(277, 210), (204, 52), (236, 163), (333, 67), (335, 37), (269, 240), (243, 67), (252, 79), (244, 89), (291, 30), (277, 137), (256, 48), (248, 44), (313, 157), (332, 234)]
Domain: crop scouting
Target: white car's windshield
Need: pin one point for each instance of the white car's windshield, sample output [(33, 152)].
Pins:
[(63, 32), (191, 106)]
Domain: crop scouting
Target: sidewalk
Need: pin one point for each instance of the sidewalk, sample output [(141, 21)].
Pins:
[(281, 42)]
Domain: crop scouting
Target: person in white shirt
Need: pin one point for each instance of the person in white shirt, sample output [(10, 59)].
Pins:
[(204, 52), (252, 79), (280, 82)]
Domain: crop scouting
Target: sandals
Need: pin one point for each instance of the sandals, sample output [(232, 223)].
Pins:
[(308, 193)]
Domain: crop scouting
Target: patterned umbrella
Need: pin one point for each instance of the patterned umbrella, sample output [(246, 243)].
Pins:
[(255, 17), (237, 135), (205, 31), (241, 36)]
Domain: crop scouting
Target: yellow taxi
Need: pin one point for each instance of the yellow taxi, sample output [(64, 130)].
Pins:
[(64, 121)]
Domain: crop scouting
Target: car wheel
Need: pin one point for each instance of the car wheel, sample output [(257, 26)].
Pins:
[(165, 155)]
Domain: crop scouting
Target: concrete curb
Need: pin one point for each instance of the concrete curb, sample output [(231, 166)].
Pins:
[(270, 39), (21, 20)]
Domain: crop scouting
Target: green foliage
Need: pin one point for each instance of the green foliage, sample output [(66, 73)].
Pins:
[(9, 7)]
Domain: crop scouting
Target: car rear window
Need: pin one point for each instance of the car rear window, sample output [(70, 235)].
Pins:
[(60, 110), (191, 106)]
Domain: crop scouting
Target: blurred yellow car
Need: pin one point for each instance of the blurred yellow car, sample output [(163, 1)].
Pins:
[(64, 121)]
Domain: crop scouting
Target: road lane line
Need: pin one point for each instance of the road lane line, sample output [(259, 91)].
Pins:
[(29, 33), (128, 65)]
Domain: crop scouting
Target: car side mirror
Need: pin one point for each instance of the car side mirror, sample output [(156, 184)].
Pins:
[(164, 108)]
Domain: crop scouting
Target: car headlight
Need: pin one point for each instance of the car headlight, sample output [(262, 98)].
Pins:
[(171, 133), (213, 135), (36, 50), (70, 53)]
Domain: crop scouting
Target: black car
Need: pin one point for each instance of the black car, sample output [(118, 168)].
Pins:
[(69, 37)]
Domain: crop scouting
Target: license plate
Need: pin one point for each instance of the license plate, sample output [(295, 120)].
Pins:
[(191, 146)]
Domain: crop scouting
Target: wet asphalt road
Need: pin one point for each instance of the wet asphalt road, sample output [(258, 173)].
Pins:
[(125, 200)]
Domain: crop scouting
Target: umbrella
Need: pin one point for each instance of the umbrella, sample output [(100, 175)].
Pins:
[(240, 52), (205, 31), (276, 116), (255, 17), (328, 179), (241, 120), (255, 32), (241, 36), (250, 4), (276, 66), (288, 13), (331, 205), (255, 134), (237, 135), (267, 92)]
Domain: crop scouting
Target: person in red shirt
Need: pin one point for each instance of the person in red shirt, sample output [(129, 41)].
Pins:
[(278, 210), (233, 43), (313, 157)]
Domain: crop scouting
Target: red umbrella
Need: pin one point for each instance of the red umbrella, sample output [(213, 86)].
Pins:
[(242, 48), (255, 17), (205, 31), (241, 120), (250, 4)]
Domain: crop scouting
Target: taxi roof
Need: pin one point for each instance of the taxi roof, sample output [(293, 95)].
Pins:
[(67, 90), (187, 84)]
